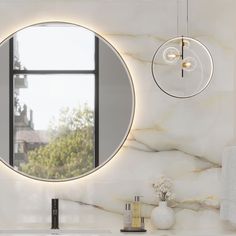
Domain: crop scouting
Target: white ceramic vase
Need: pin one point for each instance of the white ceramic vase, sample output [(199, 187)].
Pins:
[(162, 217)]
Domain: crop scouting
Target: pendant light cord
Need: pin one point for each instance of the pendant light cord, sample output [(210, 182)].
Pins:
[(187, 17), (177, 15)]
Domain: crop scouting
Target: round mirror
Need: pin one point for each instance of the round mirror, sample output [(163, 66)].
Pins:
[(67, 101)]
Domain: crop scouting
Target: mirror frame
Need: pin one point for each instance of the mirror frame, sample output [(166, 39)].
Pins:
[(119, 146)]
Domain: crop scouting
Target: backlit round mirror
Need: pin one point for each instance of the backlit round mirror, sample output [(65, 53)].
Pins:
[(66, 101)]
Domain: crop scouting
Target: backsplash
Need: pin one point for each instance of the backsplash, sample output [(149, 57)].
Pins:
[(181, 139)]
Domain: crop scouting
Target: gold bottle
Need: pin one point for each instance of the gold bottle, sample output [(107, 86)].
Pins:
[(136, 213)]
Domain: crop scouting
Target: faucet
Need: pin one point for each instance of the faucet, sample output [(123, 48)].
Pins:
[(55, 214)]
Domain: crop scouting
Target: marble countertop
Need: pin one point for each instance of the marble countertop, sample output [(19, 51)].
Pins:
[(94, 232)]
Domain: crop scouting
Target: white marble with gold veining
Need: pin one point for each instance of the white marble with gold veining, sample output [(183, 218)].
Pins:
[(182, 139)]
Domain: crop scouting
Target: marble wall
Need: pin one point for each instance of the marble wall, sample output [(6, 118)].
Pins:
[(182, 139)]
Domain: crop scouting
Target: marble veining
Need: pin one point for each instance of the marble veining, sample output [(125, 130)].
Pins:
[(182, 139)]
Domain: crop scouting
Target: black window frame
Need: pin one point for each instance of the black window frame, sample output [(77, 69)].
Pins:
[(13, 71)]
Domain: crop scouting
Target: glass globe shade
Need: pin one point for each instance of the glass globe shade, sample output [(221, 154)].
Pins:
[(182, 67), (171, 55)]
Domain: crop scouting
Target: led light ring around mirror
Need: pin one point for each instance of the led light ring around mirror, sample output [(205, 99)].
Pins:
[(132, 112), (173, 60)]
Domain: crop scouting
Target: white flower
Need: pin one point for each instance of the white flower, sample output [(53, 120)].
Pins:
[(163, 188)]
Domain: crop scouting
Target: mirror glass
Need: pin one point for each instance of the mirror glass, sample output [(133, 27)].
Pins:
[(66, 98)]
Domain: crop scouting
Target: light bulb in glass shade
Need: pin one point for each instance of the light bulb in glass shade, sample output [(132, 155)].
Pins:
[(189, 64), (186, 43), (171, 55)]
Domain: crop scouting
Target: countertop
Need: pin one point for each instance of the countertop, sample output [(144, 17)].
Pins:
[(95, 232)]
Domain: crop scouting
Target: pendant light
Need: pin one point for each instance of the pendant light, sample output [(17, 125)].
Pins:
[(182, 67)]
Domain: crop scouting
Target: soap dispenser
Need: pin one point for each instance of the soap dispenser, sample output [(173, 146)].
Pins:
[(127, 216), (136, 213)]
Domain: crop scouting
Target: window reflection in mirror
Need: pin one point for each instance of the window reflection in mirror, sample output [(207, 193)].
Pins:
[(53, 112)]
